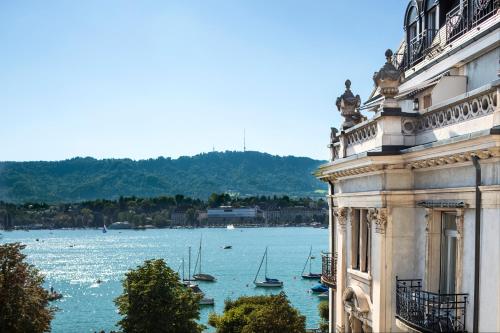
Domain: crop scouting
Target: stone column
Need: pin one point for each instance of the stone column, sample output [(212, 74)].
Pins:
[(380, 281), (459, 220), (333, 233), (340, 318)]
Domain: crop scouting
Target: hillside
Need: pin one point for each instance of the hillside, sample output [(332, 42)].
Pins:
[(78, 179)]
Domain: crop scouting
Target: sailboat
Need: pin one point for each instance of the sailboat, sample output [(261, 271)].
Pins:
[(310, 275), (267, 282), (194, 287), (104, 229), (201, 276)]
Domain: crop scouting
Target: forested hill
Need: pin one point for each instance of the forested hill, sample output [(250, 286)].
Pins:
[(78, 179)]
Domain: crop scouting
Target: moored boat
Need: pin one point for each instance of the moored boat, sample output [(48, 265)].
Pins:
[(320, 288), (310, 275), (267, 282), (201, 276), (323, 295)]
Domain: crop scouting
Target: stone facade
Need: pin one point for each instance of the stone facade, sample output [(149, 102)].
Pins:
[(415, 189)]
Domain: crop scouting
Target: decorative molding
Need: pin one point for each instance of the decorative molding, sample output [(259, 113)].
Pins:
[(341, 216), (428, 219), (459, 220), (362, 134), (378, 216), (419, 164), (470, 108), (455, 158)]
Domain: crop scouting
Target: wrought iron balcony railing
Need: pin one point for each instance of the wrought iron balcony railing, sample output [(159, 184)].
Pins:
[(459, 20), (467, 16), (484, 9), (329, 269), (429, 312)]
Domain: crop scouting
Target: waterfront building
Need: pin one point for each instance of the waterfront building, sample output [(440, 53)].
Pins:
[(178, 217), (271, 216), (414, 188), (301, 214), (228, 214)]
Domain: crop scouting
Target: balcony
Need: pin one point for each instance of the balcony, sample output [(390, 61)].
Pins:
[(459, 20), (425, 311), (329, 270)]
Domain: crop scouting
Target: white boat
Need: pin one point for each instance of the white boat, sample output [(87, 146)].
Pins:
[(230, 227), (323, 295), (201, 276), (267, 282)]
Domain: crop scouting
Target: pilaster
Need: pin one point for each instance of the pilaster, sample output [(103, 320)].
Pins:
[(380, 282), (341, 214)]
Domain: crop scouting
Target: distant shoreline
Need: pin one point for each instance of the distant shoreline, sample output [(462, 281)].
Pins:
[(176, 228)]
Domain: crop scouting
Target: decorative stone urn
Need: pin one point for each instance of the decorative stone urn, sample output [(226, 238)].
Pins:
[(348, 105), (388, 79)]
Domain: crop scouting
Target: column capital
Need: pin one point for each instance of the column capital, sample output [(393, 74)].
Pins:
[(341, 216), (378, 216)]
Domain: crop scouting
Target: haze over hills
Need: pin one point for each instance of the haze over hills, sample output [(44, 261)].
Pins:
[(78, 179)]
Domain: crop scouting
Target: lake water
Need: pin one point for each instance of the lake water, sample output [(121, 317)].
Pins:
[(72, 260)]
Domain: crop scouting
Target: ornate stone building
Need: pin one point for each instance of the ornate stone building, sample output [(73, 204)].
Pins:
[(414, 190)]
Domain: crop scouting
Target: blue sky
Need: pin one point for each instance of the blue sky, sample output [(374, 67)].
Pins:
[(142, 79)]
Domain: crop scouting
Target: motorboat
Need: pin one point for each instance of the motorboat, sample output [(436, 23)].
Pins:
[(319, 288), (230, 227)]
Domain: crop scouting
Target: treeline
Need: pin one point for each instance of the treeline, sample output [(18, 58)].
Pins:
[(81, 179), (155, 211)]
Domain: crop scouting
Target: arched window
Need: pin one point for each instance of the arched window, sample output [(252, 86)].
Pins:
[(411, 23), (431, 22)]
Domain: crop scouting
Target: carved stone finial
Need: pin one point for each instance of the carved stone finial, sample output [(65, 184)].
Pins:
[(347, 104), (388, 79), (333, 139)]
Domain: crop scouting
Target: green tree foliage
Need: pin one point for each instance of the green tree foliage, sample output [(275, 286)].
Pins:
[(154, 300), (324, 310), (81, 179), (24, 304), (259, 314), (138, 211)]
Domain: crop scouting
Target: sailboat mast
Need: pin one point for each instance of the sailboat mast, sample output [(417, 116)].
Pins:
[(260, 266), (310, 260), (189, 265), (183, 276), (266, 265), (200, 257)]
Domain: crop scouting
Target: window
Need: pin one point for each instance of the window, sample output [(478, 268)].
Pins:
[(448, 258), (411, 23), (360, 241), (427, 101)]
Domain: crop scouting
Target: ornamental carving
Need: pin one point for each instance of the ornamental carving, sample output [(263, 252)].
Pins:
[(388, 79), (362, 134), (348, 105), (378, 216), (455, 158), (479, 106), (341, 215)]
